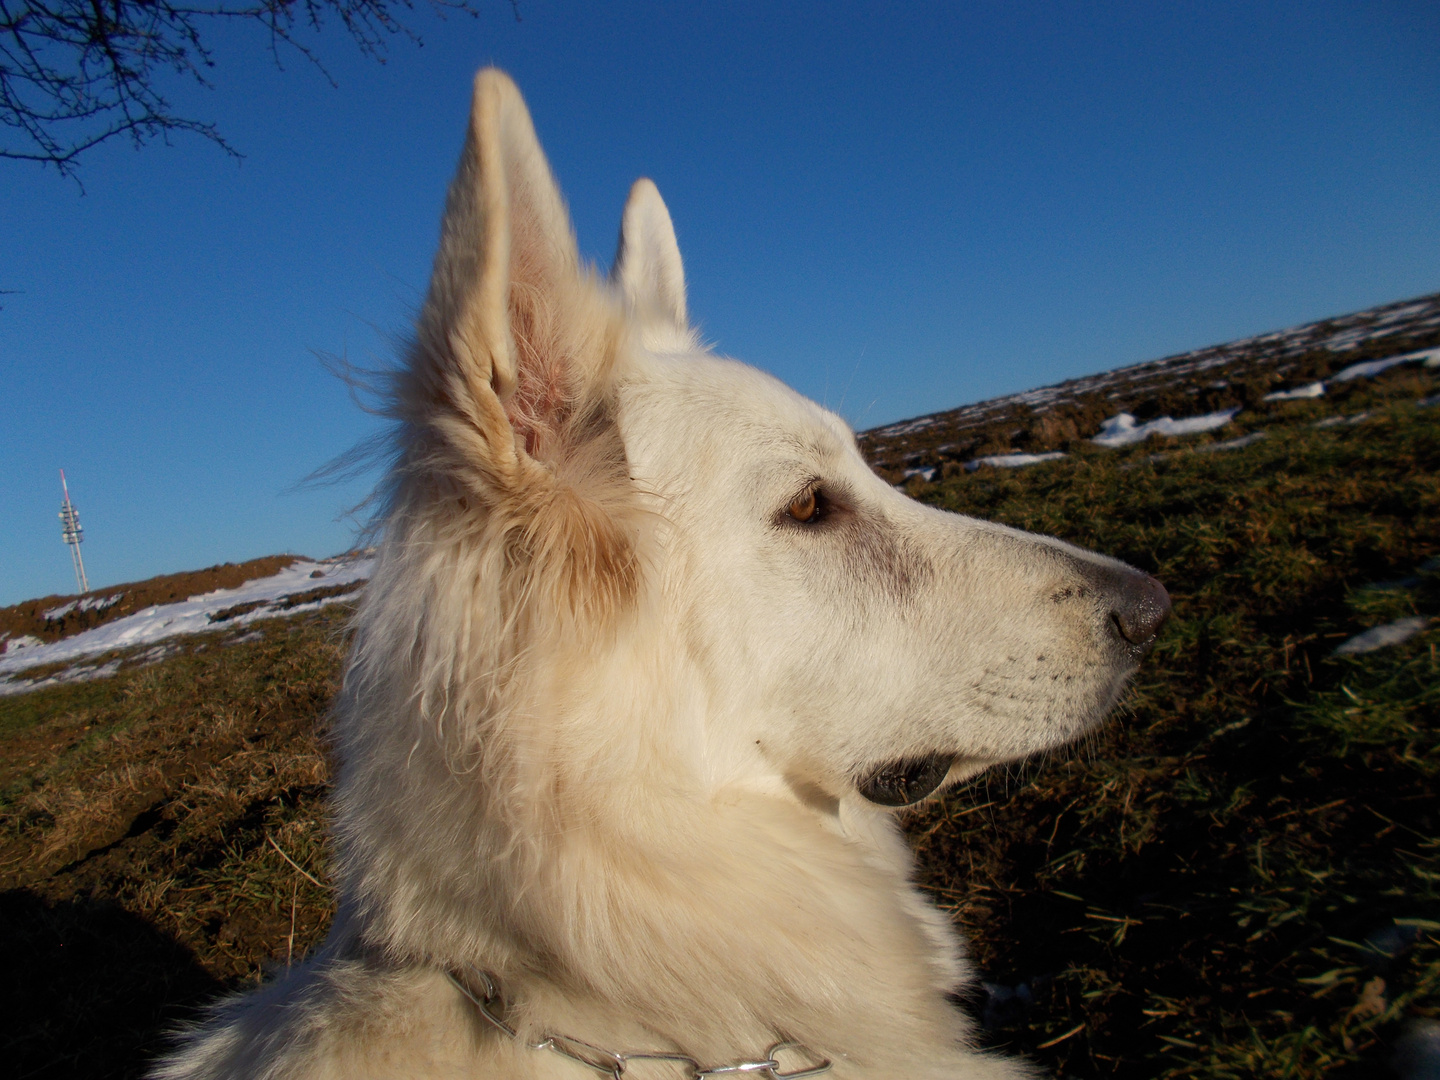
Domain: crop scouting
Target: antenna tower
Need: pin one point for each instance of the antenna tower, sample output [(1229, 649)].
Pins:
[(72, 534)]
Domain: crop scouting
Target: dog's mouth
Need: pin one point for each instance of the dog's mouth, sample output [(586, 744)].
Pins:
[(900, 783)]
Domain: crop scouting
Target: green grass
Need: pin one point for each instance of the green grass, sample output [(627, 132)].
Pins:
[(1236, 878)]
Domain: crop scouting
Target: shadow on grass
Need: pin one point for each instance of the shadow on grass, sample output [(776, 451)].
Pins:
[(90, 988)]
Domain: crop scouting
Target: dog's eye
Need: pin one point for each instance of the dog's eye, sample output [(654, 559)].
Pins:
[(805, 508)]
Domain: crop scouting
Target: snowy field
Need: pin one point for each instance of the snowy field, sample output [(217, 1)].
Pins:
[(281, 594)]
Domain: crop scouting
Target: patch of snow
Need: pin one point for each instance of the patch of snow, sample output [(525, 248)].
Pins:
[(88, 603), (1404, 311), (1314, 390), (191, 616), (1232, 444), (1430, 357), (926, 474), (1122, 430), (154, 655), (1344, 341), (10, 687), (1382, 637), (1334, 421), (1012, 461), (1425, 402), (906, 427)]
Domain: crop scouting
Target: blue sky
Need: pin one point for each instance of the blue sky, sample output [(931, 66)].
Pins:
[(895, 208)]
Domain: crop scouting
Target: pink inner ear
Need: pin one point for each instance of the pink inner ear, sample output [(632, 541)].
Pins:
[(543, 394), (542, 398)]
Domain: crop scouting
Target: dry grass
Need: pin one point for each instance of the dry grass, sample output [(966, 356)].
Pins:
[(141, 825)]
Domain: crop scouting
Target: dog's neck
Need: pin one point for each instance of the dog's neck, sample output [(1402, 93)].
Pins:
[(644, 912)]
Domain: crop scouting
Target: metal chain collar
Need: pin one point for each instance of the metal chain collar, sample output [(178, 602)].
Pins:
[(613, 1063)]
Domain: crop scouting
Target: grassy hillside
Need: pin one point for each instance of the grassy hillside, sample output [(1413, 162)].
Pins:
[(1238, 374), (1236, 878)]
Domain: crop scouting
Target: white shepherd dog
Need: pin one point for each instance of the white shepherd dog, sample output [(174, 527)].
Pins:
[(647, 655)]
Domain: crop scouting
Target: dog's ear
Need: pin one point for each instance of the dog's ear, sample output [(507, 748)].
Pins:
[(507, 399), (647, 261), (515, 339)]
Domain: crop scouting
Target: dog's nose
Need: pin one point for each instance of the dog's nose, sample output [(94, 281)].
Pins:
[(1139, 606), (1132, 604)]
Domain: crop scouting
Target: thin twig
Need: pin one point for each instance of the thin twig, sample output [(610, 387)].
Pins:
[(291, 861), (1061, 1038), (290, 941)]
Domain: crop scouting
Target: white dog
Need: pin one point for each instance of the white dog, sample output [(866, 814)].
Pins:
[(647, 652)]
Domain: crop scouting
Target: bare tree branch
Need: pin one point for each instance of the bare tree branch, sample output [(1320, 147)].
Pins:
[(77, 73)]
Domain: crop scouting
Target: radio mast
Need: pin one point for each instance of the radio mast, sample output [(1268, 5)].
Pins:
[(72, 534)]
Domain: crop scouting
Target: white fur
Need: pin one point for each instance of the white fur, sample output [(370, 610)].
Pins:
[(608, 705)]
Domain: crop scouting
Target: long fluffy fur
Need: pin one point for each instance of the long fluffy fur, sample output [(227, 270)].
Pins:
[(553, 764)]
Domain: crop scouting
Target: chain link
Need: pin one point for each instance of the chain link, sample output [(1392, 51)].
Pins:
[(491, 1007)]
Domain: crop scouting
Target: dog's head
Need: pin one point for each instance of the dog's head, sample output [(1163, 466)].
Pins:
[(594, 518)]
